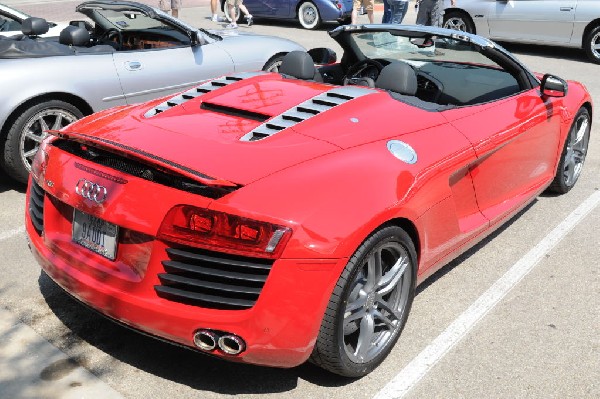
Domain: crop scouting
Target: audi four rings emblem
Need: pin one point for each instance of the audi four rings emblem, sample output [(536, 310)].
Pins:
[(91, 191)]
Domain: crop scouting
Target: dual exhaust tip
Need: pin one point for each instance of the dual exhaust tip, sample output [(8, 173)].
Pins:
[(208, 340)]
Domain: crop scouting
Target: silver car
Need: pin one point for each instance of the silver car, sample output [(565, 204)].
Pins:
[(568, 23), (131, 53)]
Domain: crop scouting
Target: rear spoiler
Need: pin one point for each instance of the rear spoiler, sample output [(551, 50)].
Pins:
[(142, 155)]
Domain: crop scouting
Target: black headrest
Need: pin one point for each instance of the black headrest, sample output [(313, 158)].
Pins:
[(298, 64), (398, 77), (34, 26), (74, 36)]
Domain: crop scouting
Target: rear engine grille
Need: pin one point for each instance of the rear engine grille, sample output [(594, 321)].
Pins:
[(211, 279), (36, 206), (198, 91), (308, 109), (139, 169)]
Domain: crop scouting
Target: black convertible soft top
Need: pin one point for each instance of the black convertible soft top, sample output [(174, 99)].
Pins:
[(21, 46)]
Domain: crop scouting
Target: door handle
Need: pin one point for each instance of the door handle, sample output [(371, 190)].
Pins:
[(133, 65), (566, 8)]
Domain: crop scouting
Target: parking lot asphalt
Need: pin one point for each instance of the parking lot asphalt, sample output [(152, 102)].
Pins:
[(536, 338)]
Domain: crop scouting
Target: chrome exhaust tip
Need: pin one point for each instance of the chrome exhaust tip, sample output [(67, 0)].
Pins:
[(205, 340), (232, 344)]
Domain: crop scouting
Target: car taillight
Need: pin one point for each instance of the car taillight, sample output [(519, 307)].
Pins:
[(188, 225), (40, 161)]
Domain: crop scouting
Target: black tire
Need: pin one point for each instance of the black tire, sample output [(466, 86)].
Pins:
[(20, 148), (458, 20), (573, 155), (338, 348), (591, 44), (274, 63), (308, 15)]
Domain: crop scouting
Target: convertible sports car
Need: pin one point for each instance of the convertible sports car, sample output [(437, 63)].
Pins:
[(310, 13), (11, 21), (272, 217), (567, 23), (131, 53)]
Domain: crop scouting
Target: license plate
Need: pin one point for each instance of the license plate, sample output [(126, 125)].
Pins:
[(95, 234)]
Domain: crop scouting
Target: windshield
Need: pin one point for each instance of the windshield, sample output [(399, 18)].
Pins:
[(130, 20), (385, 45)]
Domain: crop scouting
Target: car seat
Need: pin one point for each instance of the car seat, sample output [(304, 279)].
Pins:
[(398, 77), (300, 65), (33, 27)]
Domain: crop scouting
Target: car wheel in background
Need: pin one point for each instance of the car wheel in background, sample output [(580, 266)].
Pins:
[(591, 44), (573, 154), (458, 20), (28, 130), (308, 15), (369, 305), (232, 18), (274, 63)]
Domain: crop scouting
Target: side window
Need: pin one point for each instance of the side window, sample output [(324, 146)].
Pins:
[(8, 24)]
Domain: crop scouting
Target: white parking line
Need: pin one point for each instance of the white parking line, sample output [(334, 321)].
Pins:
[(461, 326), (11, 233)]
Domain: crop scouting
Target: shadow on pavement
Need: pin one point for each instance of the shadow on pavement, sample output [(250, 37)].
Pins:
[(164, 360)]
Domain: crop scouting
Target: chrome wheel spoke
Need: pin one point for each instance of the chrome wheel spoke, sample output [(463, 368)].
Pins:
[(386, 320), (352, 316), (365, 337), (390, 280), (30, 153), (373, 271), (33, 136), (43, 124), (58, 122)]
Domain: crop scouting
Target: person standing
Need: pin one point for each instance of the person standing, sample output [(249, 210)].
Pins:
[(214, 7), (431, 12), (387, 14), (232, 4), (170, 5), (398, 9), (369, 5)]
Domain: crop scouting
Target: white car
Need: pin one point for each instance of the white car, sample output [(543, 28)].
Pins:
[(11, 19), (566, 23)]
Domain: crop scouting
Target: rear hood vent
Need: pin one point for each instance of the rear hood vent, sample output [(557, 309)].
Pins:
[(306, 110), (197, 91)]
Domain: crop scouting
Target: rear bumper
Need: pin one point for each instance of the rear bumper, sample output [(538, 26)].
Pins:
[(279, 330)]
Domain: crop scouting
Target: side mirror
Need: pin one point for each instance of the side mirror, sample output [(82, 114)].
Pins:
[(553, 86), (322, 55)]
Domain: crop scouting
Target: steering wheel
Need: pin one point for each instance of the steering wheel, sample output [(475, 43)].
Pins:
[(367, 68), (110, 35)]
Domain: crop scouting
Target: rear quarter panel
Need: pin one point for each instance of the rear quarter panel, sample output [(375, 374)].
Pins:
[(92, 78)]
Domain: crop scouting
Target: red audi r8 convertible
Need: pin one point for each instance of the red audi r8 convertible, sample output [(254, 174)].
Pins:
[(270, 218)]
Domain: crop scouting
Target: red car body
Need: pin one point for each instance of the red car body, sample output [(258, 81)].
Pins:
[(326, 183)]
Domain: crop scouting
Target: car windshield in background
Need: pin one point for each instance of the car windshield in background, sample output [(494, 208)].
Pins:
[(130, 20), (385, 45)]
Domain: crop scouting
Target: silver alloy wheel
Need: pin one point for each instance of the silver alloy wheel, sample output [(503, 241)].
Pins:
[(595, 45), (308, 14), (377, 302), (456, 23), (34, 131), (274, 66), (576, 149)]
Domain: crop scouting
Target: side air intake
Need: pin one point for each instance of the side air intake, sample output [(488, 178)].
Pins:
[(316, 105), (197, 91)]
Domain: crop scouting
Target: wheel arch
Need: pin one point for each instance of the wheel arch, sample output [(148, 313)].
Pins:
[(465, 13), (589, 27), (279, 54), (410, 228), (76, 101)]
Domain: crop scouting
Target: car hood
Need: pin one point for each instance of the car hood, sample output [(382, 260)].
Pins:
[(239, 129)]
